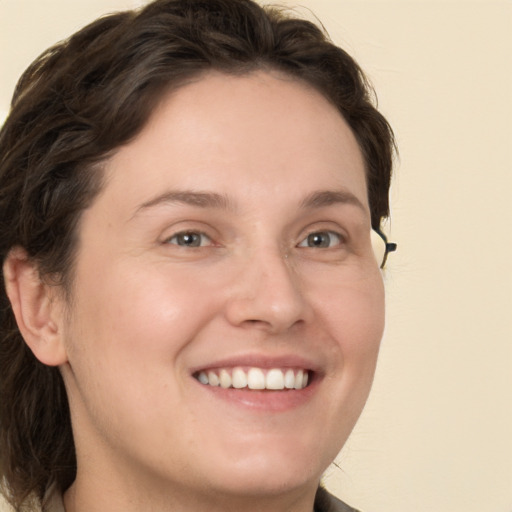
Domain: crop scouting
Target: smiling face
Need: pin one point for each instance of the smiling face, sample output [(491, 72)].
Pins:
[(230, 245)]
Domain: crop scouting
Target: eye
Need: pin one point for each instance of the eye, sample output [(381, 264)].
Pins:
[(321, 240), (190, 239)]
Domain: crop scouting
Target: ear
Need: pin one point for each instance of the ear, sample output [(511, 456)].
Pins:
[(37, 308)]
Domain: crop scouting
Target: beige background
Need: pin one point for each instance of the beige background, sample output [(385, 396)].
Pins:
[(437, 432)]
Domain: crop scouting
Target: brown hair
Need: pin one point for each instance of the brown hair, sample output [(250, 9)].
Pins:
[(77, 103)]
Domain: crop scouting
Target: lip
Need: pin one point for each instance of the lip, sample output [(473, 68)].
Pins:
[(271, 401), (260, 361)]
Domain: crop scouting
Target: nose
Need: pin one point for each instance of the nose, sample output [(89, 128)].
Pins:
[(268, 294)]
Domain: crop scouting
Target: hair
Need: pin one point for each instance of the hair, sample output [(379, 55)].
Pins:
[(87, 96)]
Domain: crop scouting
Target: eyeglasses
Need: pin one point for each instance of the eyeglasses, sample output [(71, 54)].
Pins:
[(381, 246)]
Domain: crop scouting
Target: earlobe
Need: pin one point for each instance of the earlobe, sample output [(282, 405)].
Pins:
[(37, 308)]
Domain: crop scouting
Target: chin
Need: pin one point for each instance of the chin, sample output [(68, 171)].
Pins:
[(260, 484), (275, 471)]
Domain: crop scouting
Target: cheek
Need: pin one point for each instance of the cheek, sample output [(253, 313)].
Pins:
[(355, 313), (125, 335), (366, 328), (130, 330), (354, 319), (134, 304), (353, 322)]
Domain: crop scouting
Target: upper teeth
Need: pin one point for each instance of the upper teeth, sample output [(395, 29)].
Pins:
[(255, 378)]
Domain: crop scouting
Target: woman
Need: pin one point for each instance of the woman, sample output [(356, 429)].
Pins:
[(193, 303)]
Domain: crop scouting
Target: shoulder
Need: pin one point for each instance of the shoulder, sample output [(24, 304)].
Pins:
[(52, 502), (326, 502)]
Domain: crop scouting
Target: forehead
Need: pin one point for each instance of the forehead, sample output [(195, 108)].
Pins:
[(244, 136)]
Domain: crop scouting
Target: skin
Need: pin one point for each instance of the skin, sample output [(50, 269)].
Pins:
[(147, 312)]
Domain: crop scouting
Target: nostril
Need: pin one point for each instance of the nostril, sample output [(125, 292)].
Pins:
[(266, 300)]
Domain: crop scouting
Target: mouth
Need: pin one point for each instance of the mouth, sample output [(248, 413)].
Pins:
[(255, 378)]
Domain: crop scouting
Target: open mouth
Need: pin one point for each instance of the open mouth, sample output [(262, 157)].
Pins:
[(275, 379)]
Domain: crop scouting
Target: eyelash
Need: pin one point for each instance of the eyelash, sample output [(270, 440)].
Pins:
[(194, 239)]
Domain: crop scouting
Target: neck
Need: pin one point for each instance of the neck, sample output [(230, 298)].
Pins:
[(82, 498)]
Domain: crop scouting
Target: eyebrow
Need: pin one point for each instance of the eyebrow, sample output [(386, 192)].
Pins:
[(322, 198), (317, 199), (199, 199)]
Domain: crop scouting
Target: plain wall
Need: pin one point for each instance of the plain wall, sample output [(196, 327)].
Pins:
[(437, 431)]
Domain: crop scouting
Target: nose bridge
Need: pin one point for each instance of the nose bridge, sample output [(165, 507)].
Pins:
[(268, 291)]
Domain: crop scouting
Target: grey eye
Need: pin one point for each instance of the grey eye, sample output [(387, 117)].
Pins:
[(189, 239), (321, 240)]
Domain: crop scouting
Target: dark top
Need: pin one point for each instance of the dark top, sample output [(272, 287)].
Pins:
[(326, 502)]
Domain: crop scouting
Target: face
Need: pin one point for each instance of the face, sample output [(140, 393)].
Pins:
[(230, 247)]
